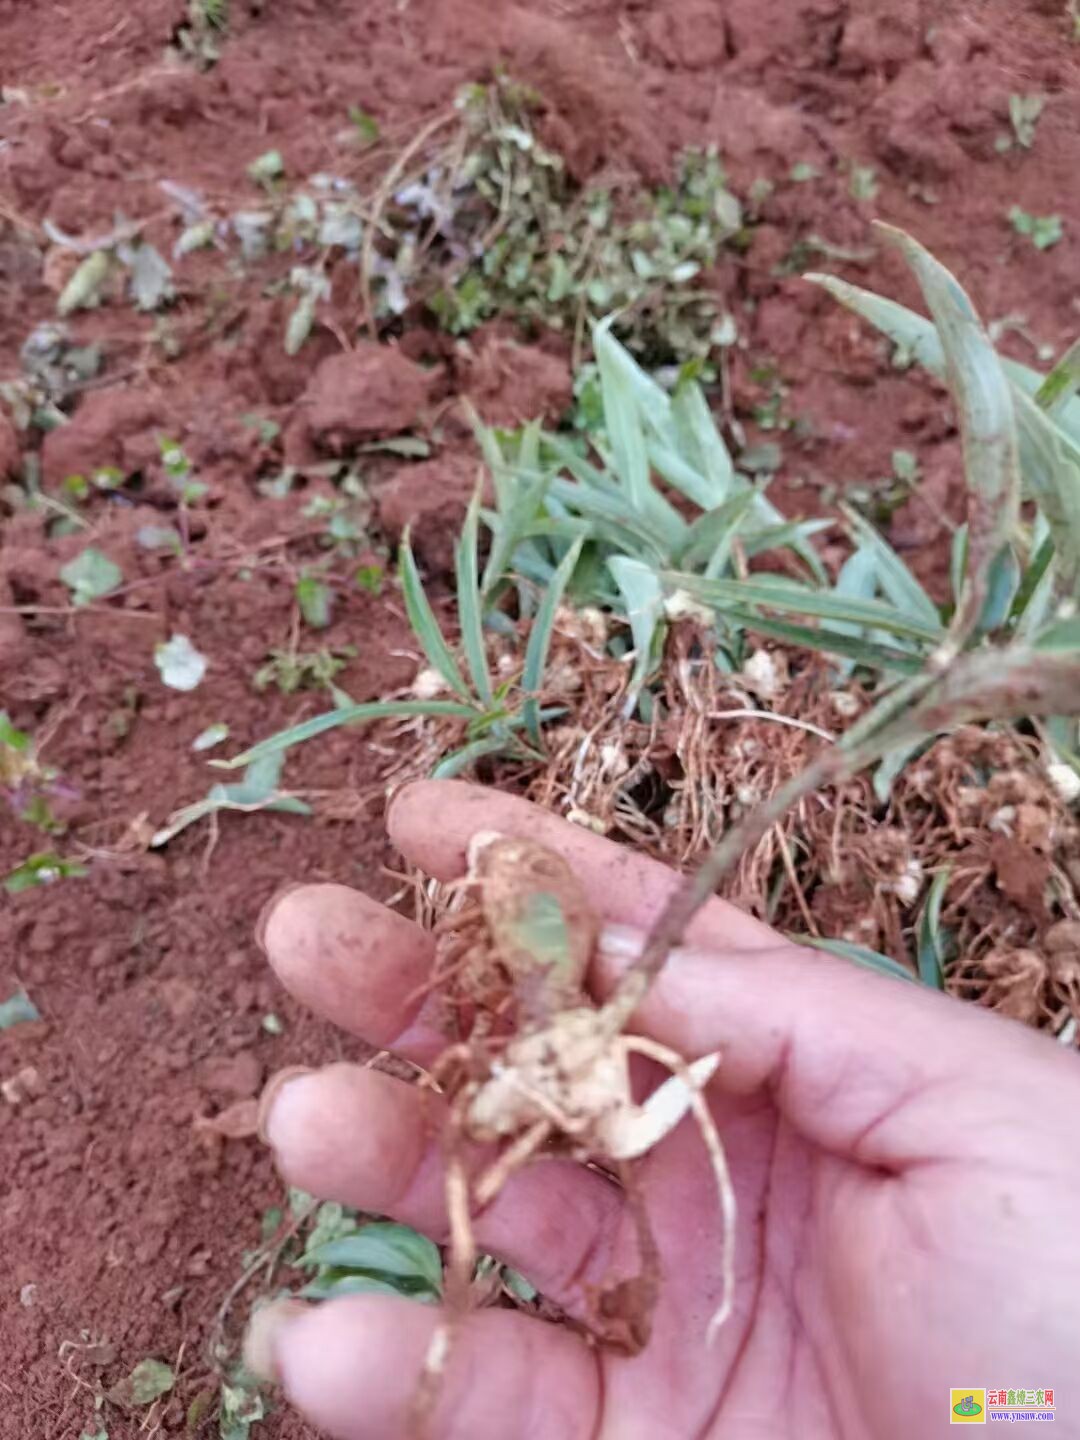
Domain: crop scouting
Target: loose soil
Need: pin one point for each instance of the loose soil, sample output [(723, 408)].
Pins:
[(124, 1223)]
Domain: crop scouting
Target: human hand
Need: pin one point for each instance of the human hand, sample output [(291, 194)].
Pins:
[(907, 1170)]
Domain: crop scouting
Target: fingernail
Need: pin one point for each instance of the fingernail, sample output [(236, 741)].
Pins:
[(395, 798), (267, 911), (263, 1335), (621, 942), (272, 1093)]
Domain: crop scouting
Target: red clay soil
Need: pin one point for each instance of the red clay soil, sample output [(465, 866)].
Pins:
[(123, 1225)]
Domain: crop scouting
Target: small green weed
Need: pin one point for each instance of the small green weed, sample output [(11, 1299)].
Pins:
[(26, 783), (199, 38), (18, 1009), (44, 868), (1044, 231), (90, 576), (292, 670)]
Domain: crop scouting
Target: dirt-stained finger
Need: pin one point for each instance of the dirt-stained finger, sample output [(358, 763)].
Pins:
[(352, 1134), (432, 821), (353, 961), (352, 1366)]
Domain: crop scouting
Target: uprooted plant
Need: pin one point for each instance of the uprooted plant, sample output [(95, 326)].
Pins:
[(536, 1066), (588, 545)]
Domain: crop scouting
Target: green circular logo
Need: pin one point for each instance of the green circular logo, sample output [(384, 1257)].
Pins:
[(970, 1406)]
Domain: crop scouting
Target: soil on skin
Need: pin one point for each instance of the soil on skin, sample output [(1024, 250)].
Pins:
[(123, 1224)]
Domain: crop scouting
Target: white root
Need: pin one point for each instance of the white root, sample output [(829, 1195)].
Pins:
[(673, 1061), (632, 1131)]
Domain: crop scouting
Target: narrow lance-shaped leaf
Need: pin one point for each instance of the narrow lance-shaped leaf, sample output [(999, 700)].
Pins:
[(1050, 459), (916, 337), (643, 595), (774, 593), (622, 420), (931, 941), (987, 426), (890, 572), (347, 715), (425, 626), (470, 615), (536, 652), (860, 954), (1057, 390), (1049, 447)]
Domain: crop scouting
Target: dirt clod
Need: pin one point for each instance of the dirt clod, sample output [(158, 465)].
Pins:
[(431, 498), (117, 428), (366, 394)]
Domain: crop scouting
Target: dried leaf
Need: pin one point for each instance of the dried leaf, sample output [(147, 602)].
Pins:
[(151, 278), (83, 290)]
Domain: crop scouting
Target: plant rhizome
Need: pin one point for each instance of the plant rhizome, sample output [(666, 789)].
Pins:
[(534, 1065)]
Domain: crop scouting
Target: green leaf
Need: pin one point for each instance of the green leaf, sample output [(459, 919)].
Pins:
[(516, 1283), (788, 597), (90, 576), (332, 1284), (1044, 231), (932, 942), (1056, 392), (536, 651), (1050, 459), (890, 572), (242, 1406), (15, 739), (256, 790), (709, 538), (643, 596), (315, 599), (1034, 577), (470, 617), (424, 625), (211, 736), (147, 1382), (367, 127), (267, 167), (987, 424), (42, 869), (347, 715), (382, 1248), (917, 338), (460, 760), (860, 954), (700, 442), (18, 1009), (830, 642), (622, 422)]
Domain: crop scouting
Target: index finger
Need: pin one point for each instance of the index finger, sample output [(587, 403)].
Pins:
[(432, 822)]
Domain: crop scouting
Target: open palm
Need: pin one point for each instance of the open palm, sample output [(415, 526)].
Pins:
[(908, 1218)]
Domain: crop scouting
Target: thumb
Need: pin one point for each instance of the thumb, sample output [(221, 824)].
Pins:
[(882, 1072)]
